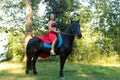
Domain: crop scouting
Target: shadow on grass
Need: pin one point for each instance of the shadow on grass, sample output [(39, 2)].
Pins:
[(72, 71)]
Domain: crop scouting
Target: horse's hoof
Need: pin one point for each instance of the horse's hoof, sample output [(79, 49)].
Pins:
[(35, 73), (62, 78), (27, 72)]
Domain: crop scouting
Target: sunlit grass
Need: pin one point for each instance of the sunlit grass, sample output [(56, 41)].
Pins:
[(7, 65), (107, 61), (49, 71)]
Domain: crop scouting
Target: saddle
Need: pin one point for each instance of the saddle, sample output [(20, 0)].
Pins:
[(49, 46), (59, 43)]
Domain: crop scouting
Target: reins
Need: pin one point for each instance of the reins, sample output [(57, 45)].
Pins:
[(67, 34)]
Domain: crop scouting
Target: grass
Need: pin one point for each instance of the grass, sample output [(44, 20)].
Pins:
[(49, 71)]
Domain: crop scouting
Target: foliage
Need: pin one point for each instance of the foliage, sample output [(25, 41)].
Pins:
[(15, 45), (100, 39), (99, 20), (11, 13), (63, 10)]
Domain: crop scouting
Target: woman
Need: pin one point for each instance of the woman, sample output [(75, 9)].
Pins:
[(52, 33)]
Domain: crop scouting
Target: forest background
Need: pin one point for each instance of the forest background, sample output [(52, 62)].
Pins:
[(99, 20)]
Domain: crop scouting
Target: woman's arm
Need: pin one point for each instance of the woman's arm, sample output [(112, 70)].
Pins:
[(52, 28)]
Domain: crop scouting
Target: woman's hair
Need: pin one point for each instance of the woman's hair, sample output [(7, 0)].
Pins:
[(50, 15)]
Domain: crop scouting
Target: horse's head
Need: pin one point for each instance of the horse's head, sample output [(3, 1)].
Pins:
[(75, 26)]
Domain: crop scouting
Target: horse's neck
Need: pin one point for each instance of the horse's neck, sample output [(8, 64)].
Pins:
[(68, 30), (68, 36)]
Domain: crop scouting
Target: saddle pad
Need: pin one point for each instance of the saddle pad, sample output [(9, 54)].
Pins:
[(59, 44)]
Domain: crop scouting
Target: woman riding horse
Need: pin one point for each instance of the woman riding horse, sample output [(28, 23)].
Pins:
[(35, 47), (52, 34)]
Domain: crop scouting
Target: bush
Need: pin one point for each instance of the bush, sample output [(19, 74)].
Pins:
[(15, 45), (94, 48)]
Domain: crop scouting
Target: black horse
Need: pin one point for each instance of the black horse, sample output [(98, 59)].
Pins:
[(35, 47)]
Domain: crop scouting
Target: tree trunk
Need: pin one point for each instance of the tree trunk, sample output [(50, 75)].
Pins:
[(28, 25)]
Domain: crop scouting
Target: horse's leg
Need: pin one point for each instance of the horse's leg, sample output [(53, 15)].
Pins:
[(62, 62), (34, 64), (28, 64)]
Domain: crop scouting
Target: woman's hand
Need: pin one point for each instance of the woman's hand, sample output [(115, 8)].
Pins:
[(57, 32)]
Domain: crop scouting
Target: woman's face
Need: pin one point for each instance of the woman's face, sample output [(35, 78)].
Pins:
[(52, 17)]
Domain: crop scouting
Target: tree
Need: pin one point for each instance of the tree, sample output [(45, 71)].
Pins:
[(28, 26), (31, 9), (62, 9), (12, 25)]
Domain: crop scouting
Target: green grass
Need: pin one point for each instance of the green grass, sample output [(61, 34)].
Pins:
[(49, 71)]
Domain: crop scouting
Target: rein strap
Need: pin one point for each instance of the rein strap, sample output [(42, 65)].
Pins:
[(67, 34)]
